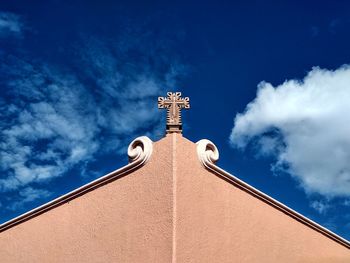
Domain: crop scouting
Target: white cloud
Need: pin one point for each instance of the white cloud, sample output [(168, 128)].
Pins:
[(10, 24), (306, 126), (320, 206)]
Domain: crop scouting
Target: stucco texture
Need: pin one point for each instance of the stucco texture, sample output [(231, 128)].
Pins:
[(170, 210), (127, 220), (218, 222)]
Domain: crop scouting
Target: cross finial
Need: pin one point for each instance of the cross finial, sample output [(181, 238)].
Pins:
[(173, 103)]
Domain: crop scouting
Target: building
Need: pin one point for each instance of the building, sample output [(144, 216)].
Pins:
[(171, 203)]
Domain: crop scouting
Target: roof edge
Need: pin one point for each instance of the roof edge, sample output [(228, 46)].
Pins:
[(208, 154), (139, 152)]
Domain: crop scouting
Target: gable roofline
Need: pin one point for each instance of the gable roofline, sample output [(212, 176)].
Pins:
[(139, 152), (208, 154)]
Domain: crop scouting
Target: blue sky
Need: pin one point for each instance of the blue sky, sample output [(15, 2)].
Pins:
[(269, 84)]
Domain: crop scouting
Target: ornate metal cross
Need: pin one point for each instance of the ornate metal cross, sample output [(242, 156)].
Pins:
[(173, 103)]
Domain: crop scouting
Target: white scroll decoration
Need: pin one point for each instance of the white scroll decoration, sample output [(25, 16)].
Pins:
[(140, 149), (207, 152)]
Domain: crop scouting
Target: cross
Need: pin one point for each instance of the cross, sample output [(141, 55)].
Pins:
[(173, 103)]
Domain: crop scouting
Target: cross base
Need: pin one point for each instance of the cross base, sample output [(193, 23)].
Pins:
[(177, 128)]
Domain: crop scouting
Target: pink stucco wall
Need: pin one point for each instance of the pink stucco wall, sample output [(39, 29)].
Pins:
[(218, 222), (127, 220), (170, 210)]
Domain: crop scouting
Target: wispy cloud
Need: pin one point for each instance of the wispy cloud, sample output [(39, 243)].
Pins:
[(46, 129), (320, 206), (305, 125), (26, 195), (10, 24), (53, 120)]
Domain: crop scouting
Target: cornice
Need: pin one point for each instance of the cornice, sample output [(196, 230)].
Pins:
[(208, 154), (139, 152)]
